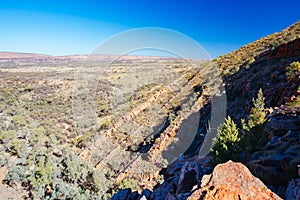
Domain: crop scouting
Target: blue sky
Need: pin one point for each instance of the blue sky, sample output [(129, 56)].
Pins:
[(78, 27)]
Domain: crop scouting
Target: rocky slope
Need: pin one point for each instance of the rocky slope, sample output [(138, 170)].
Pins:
[(261, 64)]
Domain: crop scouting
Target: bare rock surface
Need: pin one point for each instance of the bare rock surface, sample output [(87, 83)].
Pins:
[(293, 190), (232, 181)]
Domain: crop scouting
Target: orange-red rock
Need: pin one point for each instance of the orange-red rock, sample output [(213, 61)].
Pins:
[(230, 181)]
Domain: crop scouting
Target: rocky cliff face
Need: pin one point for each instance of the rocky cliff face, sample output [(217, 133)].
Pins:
[(262, 64)]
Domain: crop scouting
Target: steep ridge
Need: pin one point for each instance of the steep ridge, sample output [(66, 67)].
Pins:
[(261, 64), (232, 62)]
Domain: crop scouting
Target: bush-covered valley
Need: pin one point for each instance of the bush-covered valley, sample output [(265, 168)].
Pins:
[(50, 148)]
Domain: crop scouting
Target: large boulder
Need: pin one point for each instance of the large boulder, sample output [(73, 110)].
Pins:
[(232, 181)]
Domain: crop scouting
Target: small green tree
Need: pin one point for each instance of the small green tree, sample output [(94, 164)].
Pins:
[(254, 128), (226, 144), (257, 113)]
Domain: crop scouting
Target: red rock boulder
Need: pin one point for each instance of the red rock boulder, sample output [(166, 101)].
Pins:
[(232, 181)]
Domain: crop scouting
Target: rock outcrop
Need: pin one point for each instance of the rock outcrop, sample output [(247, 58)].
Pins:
[(293, 190), (232, 181)]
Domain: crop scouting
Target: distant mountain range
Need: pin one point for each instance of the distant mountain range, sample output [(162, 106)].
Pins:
[(32, 57)]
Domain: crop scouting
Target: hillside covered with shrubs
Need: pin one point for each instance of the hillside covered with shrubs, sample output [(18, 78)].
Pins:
[(48, 152)]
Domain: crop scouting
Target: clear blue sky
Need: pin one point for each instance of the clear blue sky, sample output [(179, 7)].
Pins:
[(78, 27)]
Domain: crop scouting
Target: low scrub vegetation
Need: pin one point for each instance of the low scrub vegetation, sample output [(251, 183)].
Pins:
[(293, 70)]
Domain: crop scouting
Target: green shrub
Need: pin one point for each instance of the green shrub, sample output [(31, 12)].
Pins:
[(7, 136), (41, 175), (15, 175), (129, 183), (3, 157), (82, 141), (19, 120), (253, 130), (293, 70), (19, 148), (257, 113), (226, 144), (37, 137)]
